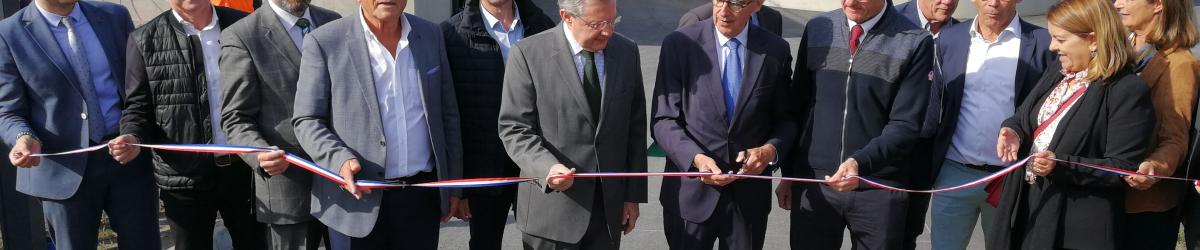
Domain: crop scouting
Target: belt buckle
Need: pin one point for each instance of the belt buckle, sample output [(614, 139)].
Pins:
[(223, 160), (398, 181)]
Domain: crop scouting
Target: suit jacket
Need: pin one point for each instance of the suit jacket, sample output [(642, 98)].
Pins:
[(1076, 207), (1171, 75), (689, 116), (478, 69), (768, 18), (544, 120), (954, 45), (337, 116), (259, 70), (41, 95), (910, 12)]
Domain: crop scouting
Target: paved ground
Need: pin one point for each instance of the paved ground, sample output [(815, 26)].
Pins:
[(645, 22)]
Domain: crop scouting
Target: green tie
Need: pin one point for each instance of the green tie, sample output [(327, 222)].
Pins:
[(591, 84)]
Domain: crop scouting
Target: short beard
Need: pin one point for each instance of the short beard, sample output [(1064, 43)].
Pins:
[(294, 7)]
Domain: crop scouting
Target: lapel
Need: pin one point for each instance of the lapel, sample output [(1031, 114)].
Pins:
[(712, 85), (752, 70), (1086, 110), (277, 33), (425, 60), (612, 79), (37, 27), (361, 64), (1024, 60), (564, 64)]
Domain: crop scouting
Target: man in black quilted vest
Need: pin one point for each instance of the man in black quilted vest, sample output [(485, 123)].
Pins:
[(477, 42), (173, 96)]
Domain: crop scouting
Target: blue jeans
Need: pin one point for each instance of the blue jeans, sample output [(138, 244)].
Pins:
[(953, 214)]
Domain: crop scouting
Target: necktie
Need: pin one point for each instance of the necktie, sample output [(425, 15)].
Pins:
[(304, 25), (855, 33), (731, 76), (591, 84), (79, 64)]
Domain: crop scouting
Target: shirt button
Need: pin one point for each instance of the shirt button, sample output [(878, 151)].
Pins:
[(83, 115), (383, 143)]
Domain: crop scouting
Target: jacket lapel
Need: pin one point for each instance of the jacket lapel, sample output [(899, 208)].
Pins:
[(712, 85), (361, 61), (613, 58), (1025, 58), (39, 29), (279, 36), (425, 62), (564, 63)]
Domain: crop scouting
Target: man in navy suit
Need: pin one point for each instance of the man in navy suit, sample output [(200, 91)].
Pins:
[(988, 66), (720, 106), (61, 68)]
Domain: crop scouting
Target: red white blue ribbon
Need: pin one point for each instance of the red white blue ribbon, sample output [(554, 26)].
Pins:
[(501, 181)]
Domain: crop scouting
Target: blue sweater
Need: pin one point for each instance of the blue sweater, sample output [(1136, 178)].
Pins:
[(869, 107)]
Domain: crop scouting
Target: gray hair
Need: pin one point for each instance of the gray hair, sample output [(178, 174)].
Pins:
[(575, 7)]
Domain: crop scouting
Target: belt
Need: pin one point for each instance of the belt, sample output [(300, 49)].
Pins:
[(984, 167), (223, 160), (420, 177)]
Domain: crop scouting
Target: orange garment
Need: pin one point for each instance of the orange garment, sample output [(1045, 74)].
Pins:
[(242, 5)]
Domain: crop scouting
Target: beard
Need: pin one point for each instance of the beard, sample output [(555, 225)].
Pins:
[(294, 7)]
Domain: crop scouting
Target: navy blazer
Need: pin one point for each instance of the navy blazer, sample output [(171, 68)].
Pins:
[(688, 117), (953, 45), (909, 11), (40, 94)]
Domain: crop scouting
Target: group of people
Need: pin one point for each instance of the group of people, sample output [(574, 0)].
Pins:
[(904, 96)]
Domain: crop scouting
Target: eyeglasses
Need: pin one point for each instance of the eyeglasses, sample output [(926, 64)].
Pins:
[(736, 5), (600, 24)]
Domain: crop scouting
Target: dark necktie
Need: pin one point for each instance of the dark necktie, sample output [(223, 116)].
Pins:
[(591, 84), (304, 25)]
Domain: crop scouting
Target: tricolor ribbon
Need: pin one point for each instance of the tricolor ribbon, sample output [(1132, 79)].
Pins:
[(502, 181)]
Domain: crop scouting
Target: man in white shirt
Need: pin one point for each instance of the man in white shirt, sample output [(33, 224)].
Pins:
[(173, 95), (376, 101), (989, 65), (260, 64)]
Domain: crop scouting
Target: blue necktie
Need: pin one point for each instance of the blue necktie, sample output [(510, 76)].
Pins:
[(79, 63), (731, 76)]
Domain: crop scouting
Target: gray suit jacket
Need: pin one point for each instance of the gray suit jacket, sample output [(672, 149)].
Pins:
[(337, 116), (259, 67), (544, 120)]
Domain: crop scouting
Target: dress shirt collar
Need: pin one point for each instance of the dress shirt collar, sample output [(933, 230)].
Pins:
[(492, 21), (721, 39), (191, 28), (575, 47), (870, 23), (1013, 28), (287, 19), (405, 30), (54, 19)]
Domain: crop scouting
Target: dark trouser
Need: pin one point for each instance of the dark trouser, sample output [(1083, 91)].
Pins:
[(489, 214), (126, 194), (875, 217), (918, 205), (192, 213), (304, 235), (596, 237), (736, 229), (409, 218), (1151, 230)]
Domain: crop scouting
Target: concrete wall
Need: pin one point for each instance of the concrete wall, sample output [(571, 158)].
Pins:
[(965, 8)]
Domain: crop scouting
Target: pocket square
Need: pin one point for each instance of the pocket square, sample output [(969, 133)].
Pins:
[(434, 70)]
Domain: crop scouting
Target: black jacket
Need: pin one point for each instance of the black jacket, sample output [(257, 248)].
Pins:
[(167, 97), (478, 71), (1076, 207)]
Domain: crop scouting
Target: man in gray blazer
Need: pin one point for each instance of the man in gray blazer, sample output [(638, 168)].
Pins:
[(375, 101), (572, 102), (260, 62)]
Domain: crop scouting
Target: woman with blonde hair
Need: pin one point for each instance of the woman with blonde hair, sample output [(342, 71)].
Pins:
[(1090, 108), (1161, 31)]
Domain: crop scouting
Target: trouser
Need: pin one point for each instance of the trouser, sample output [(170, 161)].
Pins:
[(192, 213), (125, 194), (875, 217), (957, 211), (409, 218)]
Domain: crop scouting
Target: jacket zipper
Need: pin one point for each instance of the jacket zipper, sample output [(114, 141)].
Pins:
[(846, 101)]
